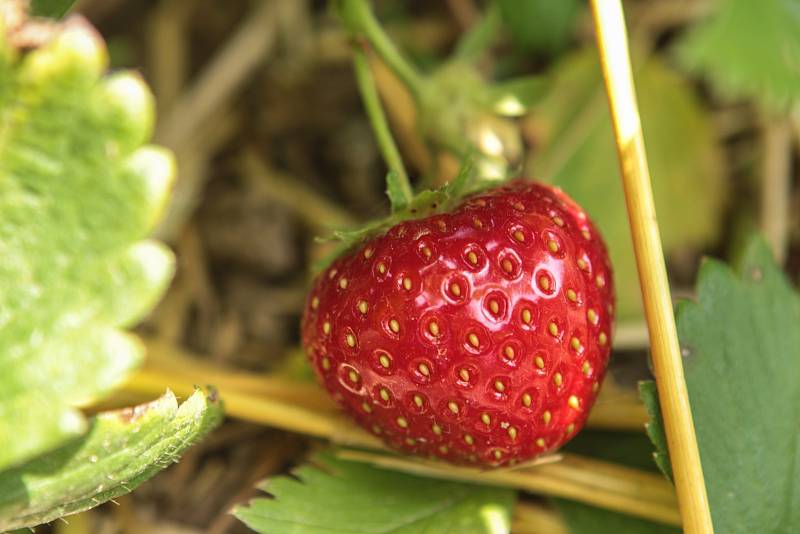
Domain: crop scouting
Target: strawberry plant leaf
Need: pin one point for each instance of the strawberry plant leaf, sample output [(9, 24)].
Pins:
[(78, 195), (742, 362), (331, 495), (475, 42), (51, 8), (655, 426), (632, 449), (121, 450), (577, 152), (540, 25), (749, 49)]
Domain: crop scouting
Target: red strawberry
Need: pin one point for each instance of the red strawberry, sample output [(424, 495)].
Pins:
[(478, 336)]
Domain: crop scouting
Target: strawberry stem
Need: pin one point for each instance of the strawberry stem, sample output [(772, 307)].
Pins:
[(386, 143), (361, 22)]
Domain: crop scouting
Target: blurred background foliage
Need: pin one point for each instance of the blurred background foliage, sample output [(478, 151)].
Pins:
[(258, 101)]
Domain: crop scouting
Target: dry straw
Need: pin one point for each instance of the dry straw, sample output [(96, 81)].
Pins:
[(668, 368), (267, 401)]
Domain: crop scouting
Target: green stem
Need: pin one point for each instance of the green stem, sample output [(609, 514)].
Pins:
[(386, 144), (361, 22)]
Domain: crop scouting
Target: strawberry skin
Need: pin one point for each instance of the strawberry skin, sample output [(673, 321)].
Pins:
[(479, 336)]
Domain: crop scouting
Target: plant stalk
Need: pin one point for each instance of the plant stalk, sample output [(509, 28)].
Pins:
[(303, 408), (377, 117), (667, 365), (361, 22)]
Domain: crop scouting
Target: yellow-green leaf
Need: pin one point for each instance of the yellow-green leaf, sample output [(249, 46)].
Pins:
[(577, 152), (750, 49), (78, 196), (51, 8)]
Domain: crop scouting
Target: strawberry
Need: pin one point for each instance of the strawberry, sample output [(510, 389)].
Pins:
[(478, 336)]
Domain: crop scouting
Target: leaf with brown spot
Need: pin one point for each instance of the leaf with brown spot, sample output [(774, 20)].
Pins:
[(79, 194), (122, 449), (577, 153)]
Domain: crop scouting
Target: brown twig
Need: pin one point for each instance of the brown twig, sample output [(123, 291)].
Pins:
[(776, 177), (201, 104), (168, 50), (193, 170), (223, 76), (306, 202), (465, 12), (649, 20), (269, 463)]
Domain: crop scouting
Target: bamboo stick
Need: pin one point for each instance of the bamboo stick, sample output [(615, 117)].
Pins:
[(668, 368)]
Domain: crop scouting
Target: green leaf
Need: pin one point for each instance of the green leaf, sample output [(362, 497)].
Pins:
[(123, 449), (655, 427), (51, 8), (742, 358), (335, 496), (577, 152), (749, 49), (584, 519), (741, 346), (632, 449), (480, 37), (540, 25), (77, 198)]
